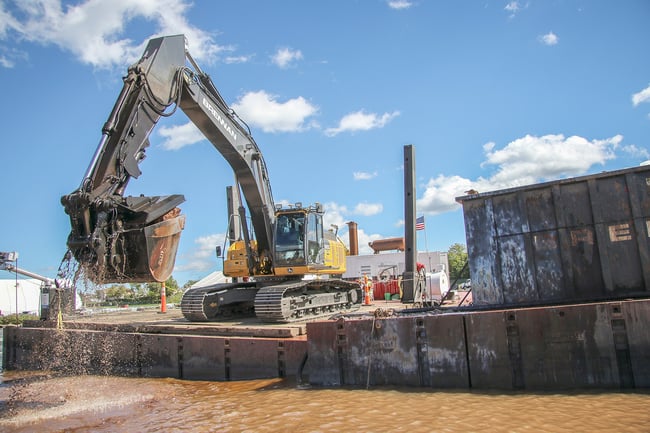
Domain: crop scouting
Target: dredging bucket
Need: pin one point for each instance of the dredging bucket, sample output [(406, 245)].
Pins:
[(162, 244)]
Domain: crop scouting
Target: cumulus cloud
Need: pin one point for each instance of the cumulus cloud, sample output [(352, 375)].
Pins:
[(257, 109), (361, 121), (642, 96), (529, 158), (524, 161), (285, 57), (339, 215), (362, 175), (92, 30), (549, 38), (399, 4), (368, 209), (177, 137), (201, 258), (265, 111)]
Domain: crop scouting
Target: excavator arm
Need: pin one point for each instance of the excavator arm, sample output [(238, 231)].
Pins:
[(117, 238)]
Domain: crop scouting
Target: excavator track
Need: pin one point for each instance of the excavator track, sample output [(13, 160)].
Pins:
[(221, 301), (306, 299), (286, 302)]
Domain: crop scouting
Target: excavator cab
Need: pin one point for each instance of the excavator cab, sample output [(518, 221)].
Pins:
[(299, 239), (301, 246)]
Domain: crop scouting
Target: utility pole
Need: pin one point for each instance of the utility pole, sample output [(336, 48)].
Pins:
[(411, 250)]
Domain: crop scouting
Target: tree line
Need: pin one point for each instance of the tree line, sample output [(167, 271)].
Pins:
[(136, 293)]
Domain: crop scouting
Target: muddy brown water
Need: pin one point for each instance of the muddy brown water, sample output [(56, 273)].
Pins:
[(37, 402)]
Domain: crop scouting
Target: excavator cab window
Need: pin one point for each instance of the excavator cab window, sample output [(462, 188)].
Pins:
[(315, 238), (289, 243)]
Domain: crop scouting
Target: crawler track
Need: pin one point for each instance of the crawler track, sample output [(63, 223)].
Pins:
[(301, 300), (285, 302), (221, 301)]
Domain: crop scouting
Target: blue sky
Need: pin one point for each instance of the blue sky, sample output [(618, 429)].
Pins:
[(492, 94)]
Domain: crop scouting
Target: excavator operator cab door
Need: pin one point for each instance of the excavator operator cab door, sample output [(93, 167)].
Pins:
[(290, 239), (315, 239)]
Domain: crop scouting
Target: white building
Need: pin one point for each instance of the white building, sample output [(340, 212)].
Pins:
[(392, 264), (27, 295)]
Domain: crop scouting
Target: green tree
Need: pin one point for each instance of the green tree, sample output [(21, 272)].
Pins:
[(153, 290), (118, 292), (139, 290), (189, 284), (457, 257)]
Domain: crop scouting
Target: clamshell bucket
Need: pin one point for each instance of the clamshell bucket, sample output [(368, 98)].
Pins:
[(162, 243), (127, 240)]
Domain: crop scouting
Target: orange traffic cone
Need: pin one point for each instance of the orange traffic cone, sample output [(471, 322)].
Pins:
[(366, 288), (163, 299)]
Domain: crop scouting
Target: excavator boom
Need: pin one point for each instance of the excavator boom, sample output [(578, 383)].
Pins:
[(118, 238), (134, 239), (129, 239)]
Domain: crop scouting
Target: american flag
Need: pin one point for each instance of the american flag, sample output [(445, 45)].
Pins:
[(419, 223)]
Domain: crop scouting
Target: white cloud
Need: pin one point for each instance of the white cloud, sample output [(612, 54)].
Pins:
[(549, 38), (368, 209), (361, 121), (642, 96), (513, 7), (237, 59), (264, 111), (363, 240), (399, 4), (92, 30), (524, 161), (337, 214), (440, 194), (203, 257), (548, 157), (6, 63), (284, 57), (334, 214), (634, 150), (7, 22), (362, 175), (179, 136)]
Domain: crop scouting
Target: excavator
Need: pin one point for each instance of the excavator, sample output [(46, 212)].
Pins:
[(284, 267)]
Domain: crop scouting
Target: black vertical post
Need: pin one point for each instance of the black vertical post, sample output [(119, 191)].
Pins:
[(410, 252)]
